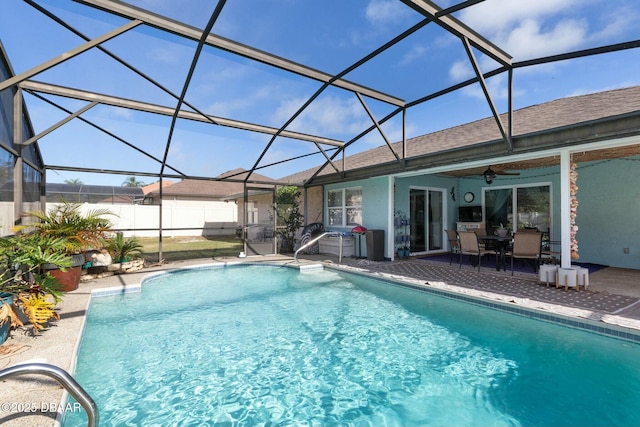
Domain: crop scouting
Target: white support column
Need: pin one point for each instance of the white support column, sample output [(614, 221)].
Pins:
[(390, 215), (565, 208)]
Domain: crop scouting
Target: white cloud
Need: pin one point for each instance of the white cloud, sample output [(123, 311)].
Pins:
[(497, 87), (619, 85), (229, 106), (528, 29), (415, 53), (460, 70), (169, 54), (496, 16), (325, 116), (529, 40), (382, 12), (616, 22)]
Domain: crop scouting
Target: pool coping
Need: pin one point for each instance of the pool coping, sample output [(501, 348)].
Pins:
[(65, 336), (605, 324)]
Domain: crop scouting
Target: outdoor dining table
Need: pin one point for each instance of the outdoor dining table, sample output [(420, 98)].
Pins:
[(501, 244)]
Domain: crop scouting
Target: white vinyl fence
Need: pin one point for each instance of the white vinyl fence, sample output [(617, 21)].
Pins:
[(179, 218)]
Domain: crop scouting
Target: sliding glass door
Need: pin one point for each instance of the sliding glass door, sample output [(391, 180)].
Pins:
[(426, 215), (518, 207)]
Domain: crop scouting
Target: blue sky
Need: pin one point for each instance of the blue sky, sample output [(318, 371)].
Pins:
[(328, 36)]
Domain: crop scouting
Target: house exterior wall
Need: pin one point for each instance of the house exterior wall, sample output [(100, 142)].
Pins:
[(315, 205), (375, 206), (608, 213), (608, 207)]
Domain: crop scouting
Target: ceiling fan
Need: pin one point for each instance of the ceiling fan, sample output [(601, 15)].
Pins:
[(489, 175)]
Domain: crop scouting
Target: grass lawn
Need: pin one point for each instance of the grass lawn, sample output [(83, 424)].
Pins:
[(192, 247)]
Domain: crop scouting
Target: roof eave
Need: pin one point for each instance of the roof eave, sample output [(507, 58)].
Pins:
[(581, 133)]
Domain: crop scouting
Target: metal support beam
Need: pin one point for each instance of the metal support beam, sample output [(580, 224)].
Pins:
[(189, 32), (404, 136), (115, 57), (168, 111), (67, 55), (487, 95), (160, 215), (430, 10), (344, 72), (17, 166), (187, 81), (60, 123), (352, 141), (579, 54), (111, 134), (510, 108), (377, 125), (457, 7), (324, 153)]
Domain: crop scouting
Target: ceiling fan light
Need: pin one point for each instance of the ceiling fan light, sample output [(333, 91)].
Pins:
[(489, 175)]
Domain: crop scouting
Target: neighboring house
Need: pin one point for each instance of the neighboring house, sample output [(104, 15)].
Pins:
[(441, 176), (150, 189), (222, 214)]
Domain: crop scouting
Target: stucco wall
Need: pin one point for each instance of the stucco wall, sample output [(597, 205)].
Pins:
[(375, 201), (608, 214), (315, 205)]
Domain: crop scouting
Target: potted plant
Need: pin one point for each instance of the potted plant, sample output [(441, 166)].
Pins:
[(24, 286), (78, 232), (406, 251), (502, 231)]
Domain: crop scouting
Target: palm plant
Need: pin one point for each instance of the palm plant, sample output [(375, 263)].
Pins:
[(78, 231), (123, 250), (132, 182), (65, 221)]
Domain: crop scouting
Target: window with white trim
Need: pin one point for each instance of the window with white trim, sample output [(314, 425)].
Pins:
[(344, 207)]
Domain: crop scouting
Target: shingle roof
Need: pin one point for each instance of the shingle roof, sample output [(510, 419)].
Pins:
[(152, 188), (213, 189), (536, 118)]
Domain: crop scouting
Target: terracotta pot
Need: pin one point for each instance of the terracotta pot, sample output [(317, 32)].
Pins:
[(69, 280)]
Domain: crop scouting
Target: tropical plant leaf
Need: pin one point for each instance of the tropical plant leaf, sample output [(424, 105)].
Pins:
[(8, 314), (38, 309), (122, 249), (79, 231)]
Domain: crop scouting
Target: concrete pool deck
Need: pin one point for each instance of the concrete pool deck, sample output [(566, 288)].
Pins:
[(613, 298)]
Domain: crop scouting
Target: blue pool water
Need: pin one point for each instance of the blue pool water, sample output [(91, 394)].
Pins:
[(272, 346)]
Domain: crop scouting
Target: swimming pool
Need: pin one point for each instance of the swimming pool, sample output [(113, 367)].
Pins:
[(264, 345)]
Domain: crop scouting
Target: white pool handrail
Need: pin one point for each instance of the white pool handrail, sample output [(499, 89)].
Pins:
[(315, 239), (64, 378)]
